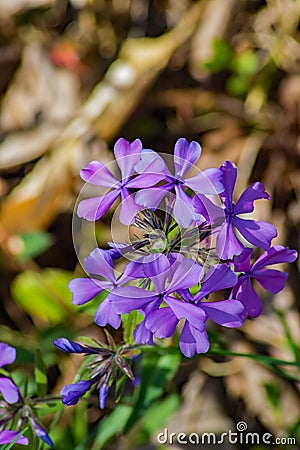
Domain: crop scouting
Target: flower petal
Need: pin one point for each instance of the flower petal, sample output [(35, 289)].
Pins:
[(158, 270), (9, 390), (217, 278), (184, 273), (100, 262), (145, 180), (256, 232), (228, 313), (142, 335), (152, 162), (94, 208), (162, 322), (8, 436), (213, 213), (229, 178), (97, 173), (127, 156), (83, 290), (184, 213), (277, 254), (247, 295), (271, 280), (129, 208), (193, 341), (7, 354), (186, 154), (242, 261), (71, 393), (183, 310), (207, 182), (228, 245), (254, 192), (152, 197), (68, 346), (106, 314), (130, 298)]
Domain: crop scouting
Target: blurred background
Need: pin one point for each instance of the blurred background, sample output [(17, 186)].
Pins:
[(74, 77)]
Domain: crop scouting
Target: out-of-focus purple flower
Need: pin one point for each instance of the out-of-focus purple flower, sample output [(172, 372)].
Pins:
[(255, 232), (103, 393), (8, 388), (185, 156), (270, 279), (40, 431), (99, 263), (8, 436), (127, 155)]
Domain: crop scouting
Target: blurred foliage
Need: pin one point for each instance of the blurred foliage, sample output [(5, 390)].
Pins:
[(76, 75)]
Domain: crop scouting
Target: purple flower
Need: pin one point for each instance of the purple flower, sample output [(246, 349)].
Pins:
[(8, 388), (255, 232), (127, 155), (103, 393), (99, 263), (8, 436), (270, 279), (229, 313), (185, 156)]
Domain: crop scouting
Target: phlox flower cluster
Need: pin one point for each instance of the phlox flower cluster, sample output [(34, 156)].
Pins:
[(192, 239)]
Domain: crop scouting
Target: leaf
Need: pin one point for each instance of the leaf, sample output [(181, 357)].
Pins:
[(156, 371), (112, 425), (130, 321), (40, 375), (44, 295)]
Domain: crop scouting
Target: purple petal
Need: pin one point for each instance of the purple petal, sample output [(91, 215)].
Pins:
[(256, 232), (184, 213), (106, 314), (100, 262), (145, 180), (157, 271), (9, 390), (97, 173), (185, 274), (130, 298), (247, 295), (142, 335), (7, 354), (182, 310), (229, 178), (242, 261), (8, 436), (152, 162), (84, 290), (207, 182), (40, 431), (271, 280), (245, 203), (127, 156), (94, 208), (228, 313), (129, 208), (68, 346), (71, 393), (103, 393), (217, 278), (212, 213), (185, 155), (152, 197), (275, 255), (193, 341), (228, 245), (162, 322)]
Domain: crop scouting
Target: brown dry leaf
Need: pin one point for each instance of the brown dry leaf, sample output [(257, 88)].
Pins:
[(40, 195)]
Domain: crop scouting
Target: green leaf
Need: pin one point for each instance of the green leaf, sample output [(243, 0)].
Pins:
[(156, 371), (129, 322), (111, 425), (40, 375), (273, 394), (44, 295), (33, 244)]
